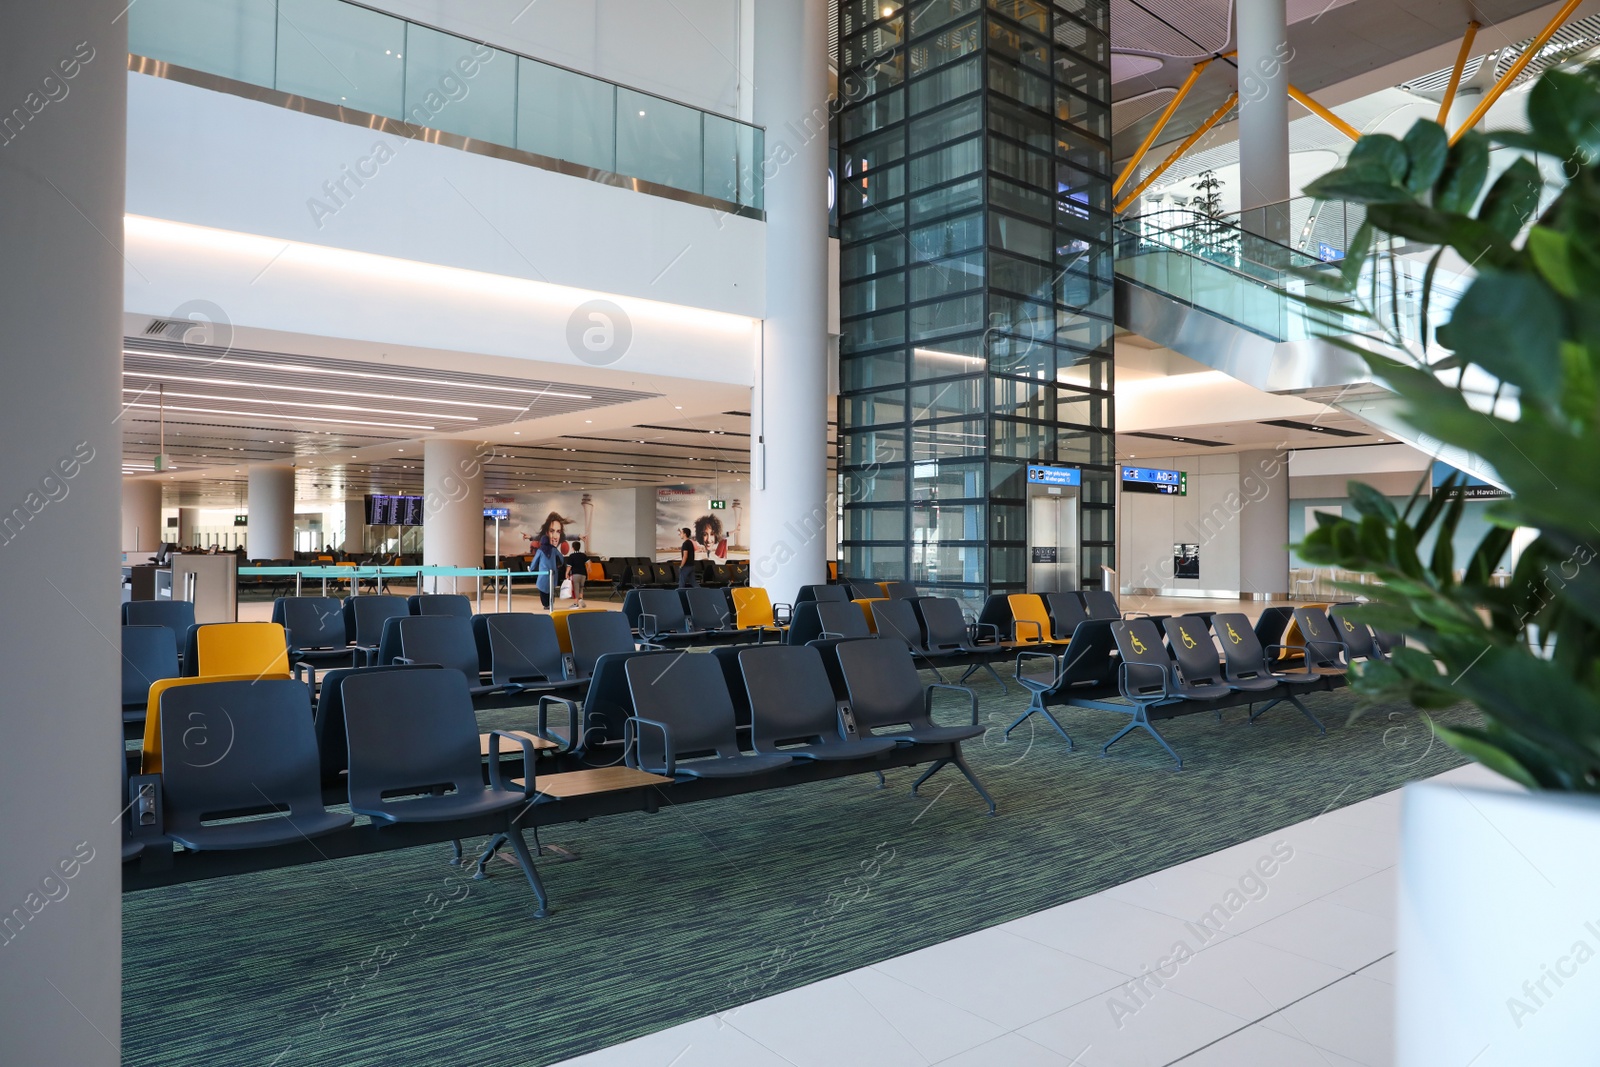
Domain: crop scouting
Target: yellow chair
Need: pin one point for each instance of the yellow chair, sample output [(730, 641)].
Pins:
[(252, 649), (559, 617), (865, 604), (150, 758), (833, 571), (753, 610), (1030, 622), (594, 571)]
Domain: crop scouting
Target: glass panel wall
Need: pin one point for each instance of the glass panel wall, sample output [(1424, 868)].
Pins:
[(976, 269), (345, 54)]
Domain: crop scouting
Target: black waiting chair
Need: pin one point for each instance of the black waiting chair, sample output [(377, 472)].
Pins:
[(1360, 643), (822, 594), (1323, 648), (659, 616), (1148, 678), (898, 590), (148, 655), (415, 757), (595, 633), (1085, 668), (687, 713), (1190, 642), (524, 651), (328, 720), (176, 615), (1102, 604), (447, 640), (318, 635), (457, 605), (608, 706), (885, 693), (1066, 612), (794, 711), (1245, 664), (364, 617), (948, 633), (711, 612), (259, 755), (1272, 625)]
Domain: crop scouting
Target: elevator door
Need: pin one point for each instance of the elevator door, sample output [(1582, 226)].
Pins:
[(1052, 539)]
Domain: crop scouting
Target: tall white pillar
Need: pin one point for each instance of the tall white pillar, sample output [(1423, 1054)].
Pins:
[(355, 524), (1264, 524), (141, 515), (789, 516), (1263, 39), (63, 102), (271, 507), (452, 508), (188, 526)]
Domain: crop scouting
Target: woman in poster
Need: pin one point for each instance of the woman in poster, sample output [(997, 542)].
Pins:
[(548, 551), (712, 541)]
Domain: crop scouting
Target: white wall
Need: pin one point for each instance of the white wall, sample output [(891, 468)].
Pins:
[(1150, 524), (686, 50)]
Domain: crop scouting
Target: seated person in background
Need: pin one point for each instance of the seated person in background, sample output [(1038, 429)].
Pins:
[(577, 570)]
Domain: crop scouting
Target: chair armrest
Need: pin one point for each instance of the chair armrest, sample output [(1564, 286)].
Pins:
[(650, 629), (1124, 669), (787, 613), (1027, 622), (572, 719), (649, 646), (1055, 662), (1305, 659), (824, 635), (630, 745), (972, 699), (403, 659), (529, 756), (1339, 656), (976, 630)]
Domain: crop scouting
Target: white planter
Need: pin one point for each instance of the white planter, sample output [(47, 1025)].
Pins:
[(1498, 926)]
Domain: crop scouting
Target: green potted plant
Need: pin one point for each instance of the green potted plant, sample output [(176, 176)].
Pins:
[(1498, 896)]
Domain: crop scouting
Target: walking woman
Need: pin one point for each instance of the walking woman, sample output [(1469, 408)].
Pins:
[(547, 557)]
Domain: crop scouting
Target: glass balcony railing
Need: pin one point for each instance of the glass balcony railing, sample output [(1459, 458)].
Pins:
[(348, 55), (1269, 288)]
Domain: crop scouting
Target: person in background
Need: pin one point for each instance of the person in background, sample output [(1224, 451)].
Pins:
[(547, 557), (578, 570), (686, 559)]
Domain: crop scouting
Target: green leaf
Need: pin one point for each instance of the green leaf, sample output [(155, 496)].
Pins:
[(1476, 241), (1378, 153), (1551, 252), (1368, 501), (1513, 199), (1444, 546), (1564, 111), (1466, 167), (1427, 146), (1510, 324), (1358, 185), (1474, 745)]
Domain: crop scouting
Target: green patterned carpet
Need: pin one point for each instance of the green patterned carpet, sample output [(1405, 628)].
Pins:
[(400, 959)]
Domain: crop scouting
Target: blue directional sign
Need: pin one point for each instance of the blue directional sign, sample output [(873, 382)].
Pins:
[(1153, 480), (497, 513), (1055, 475)]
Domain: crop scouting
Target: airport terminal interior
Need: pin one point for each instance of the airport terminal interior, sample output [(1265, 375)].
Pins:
[(756, 532)]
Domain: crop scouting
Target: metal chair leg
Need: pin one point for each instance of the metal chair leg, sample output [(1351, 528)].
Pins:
[(882, 784), (990, 668), (1307, 713), (488, 854), (520, 846), (961, 764), (455, 850), (929, 773)]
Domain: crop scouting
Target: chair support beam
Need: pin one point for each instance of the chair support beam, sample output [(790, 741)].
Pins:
[(1516, 69), (1455, 74)]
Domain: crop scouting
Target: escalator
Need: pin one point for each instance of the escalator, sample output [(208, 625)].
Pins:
[(1260, 312)]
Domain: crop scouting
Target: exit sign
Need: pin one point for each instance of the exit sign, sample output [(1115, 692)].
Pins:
[(241, 520), (719, 505)]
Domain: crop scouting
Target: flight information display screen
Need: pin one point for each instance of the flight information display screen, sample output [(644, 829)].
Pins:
[(387, 510), (1153, 480)]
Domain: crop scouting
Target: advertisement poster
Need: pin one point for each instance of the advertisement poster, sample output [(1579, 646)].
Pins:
[(580, 515), (718, 532)]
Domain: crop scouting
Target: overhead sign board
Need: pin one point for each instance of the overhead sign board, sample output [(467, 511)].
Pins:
[(1055, 475), (1154, 480), (497, 513)]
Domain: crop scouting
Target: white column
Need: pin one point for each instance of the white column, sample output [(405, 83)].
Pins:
[(788, 500), (452, 508), (1264, 524), (1263, 111), (188, 523), (271, 506), (355, 524), (141, 515), (63, 92)]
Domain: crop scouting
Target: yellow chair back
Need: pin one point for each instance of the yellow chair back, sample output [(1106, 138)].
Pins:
[(752, 607), (150, 758), (1293, 636), (1032, 620), (559, 617), (255, 649), (865, 604)]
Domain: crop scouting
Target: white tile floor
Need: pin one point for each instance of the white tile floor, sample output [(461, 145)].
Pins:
[(1295, 966)]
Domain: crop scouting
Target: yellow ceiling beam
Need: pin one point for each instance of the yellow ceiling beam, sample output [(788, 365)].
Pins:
[(1517, 68), (1324, 114), (1455, 74), (1155, 131), (1188, 143)]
